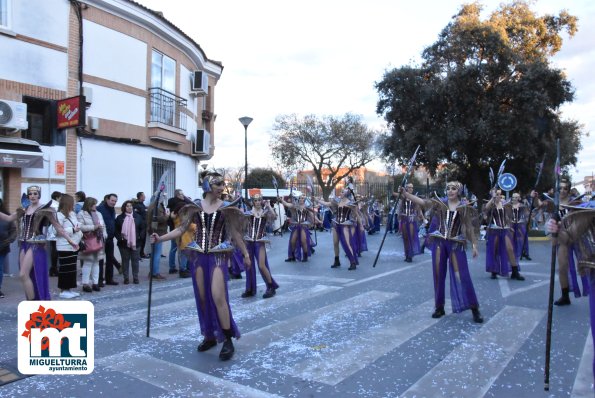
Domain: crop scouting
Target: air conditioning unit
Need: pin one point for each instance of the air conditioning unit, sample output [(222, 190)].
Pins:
[(202, 143), (88, 94), (199, 83), (13, 115)]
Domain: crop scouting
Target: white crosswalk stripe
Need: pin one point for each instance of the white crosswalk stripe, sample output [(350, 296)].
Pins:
[(470, 369), (177, 380), (583, 384)]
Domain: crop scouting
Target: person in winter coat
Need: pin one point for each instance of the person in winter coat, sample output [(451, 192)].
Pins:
[(130, 227)]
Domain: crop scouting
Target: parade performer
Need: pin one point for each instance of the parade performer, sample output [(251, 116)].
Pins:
[(577, 229), (409, 214), (216, 226), (566, 252), (300, 238), (255, 239), (520, 215), (362, 223), (343, 226), (500, 250), (31, 220), (453, 225)]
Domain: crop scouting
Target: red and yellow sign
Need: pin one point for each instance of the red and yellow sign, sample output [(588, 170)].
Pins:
[(59, 167), (70, 112)]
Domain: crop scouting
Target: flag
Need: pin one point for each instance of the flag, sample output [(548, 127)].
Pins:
[(275, 182), (161, 185)]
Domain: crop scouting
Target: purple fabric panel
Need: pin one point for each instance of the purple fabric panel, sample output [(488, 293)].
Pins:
[(210, 327), (298, 252), (573, 277), (519, 233), (39, 273), (462, 292), (340, 229), (496, 255), (253, 249), (410, 233), (237, 262)]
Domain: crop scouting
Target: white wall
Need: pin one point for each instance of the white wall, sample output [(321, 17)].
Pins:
[(45, 20), (106, 167), (114, 56), (28, 63), (117, 105)]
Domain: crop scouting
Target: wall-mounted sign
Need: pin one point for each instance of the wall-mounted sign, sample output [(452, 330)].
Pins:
[(59, 169), (71, 112)]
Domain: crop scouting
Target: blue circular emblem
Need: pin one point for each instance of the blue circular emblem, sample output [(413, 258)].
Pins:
[(507, 182)]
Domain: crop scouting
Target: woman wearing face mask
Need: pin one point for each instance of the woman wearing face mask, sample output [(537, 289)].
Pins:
[(216, 225), (343, 227), (452, 226), (300, 240), (33, 270)]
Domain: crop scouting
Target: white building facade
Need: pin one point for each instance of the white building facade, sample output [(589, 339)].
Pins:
[(148, 103)]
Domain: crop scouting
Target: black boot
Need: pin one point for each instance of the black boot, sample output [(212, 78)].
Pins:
[(565, 299), (477, 318), (290, 259), (206, 345), (494, 275), (516, 275), (227, 350), (269, 293), (248, 293), (352, 267), (439, 313), (337, 263), (304, 258)]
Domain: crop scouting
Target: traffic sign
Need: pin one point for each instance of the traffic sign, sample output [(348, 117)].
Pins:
[(507, 182)]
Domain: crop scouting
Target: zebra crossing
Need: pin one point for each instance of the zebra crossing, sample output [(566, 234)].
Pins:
[(336, 334), (467, 371)]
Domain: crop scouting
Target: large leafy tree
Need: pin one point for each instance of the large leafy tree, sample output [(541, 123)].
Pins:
[(484, 92), (263, 178), (332, 146)]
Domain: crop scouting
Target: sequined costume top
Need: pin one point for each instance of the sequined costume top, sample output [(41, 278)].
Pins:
[(499, 218), (343, 215), (212, 231), (408, 210), (459, 225), (30, 227), (256, 228), (300, 215)]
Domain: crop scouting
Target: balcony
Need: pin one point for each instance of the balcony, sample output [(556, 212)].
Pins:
[(168, 111)]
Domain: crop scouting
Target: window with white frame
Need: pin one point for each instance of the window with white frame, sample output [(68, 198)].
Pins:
[(5, 14), (163, 88)]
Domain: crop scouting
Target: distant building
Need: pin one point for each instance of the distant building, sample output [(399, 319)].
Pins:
[(148, 103)]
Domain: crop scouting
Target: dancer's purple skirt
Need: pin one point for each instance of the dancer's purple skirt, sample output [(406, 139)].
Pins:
[(210, 327), (496, 255), (447, 254), (410, 234), (39, 272), (253, 250)]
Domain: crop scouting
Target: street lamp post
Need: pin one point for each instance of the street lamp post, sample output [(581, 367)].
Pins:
[(245, 122)]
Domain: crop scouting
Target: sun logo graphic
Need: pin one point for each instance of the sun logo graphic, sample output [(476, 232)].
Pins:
[(56, 337)]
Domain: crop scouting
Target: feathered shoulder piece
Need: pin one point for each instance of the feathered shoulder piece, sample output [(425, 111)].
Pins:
[(43, 216), (577, 224), (234, 218)]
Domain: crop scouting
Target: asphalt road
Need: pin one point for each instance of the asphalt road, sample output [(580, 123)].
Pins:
[(329, 333)]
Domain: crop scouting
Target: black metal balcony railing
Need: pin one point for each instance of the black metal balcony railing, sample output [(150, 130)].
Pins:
[(167, 108)]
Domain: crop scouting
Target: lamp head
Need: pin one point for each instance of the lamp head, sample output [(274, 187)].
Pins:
[(245, 120)]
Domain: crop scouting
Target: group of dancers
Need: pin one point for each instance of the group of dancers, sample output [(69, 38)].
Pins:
[(223, 233)]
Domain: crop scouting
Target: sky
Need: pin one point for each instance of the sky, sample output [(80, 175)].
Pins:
[(323, 57)]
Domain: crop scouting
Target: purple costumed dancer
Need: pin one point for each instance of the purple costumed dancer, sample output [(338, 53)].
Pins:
[(453, 222), (343, 227), (217, 224), (255, 239), (578, 229), (500, 250), (300, 239), (566, 253), (33, 270), (409, 214)]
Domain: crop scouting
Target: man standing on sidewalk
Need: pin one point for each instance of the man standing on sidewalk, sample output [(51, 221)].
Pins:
[(106, 208)]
